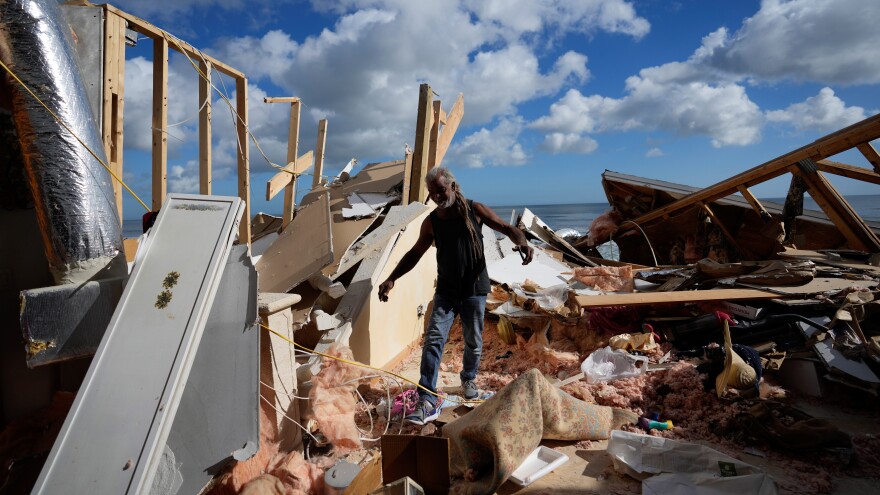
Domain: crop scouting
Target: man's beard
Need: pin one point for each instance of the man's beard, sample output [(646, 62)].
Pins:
[(450, 201)]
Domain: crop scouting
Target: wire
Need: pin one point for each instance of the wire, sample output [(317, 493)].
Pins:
[(273, 406), (362, 365), (58, 119), (646, 240), (283, 393)]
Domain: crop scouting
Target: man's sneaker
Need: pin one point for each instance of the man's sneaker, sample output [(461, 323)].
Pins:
[(425, 413), (471, 391)]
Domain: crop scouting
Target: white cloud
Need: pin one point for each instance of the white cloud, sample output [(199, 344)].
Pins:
[(586, 17), (184, 179), (805, 40), (497, 146), (654, 152), (823, 112), (558, 142)]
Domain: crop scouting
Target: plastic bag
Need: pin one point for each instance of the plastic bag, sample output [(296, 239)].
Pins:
[(549, 299), (607, 364)]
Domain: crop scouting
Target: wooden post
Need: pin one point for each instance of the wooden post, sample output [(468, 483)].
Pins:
[(205, 93), (319, 153), (417, 190), (118, 113), (160, 121), (292, 150), (244, 185), (435, 135), (449, 128), (407, 176)]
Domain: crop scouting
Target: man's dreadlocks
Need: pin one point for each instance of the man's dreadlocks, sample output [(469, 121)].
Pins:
[(461, 206)]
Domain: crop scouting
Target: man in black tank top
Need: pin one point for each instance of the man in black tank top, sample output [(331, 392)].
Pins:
[(455, 228)]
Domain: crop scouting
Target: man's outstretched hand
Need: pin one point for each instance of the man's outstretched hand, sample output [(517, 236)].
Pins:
[(526, 252), (384, 289)]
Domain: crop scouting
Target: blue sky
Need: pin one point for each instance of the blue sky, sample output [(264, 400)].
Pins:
[(689, 91)]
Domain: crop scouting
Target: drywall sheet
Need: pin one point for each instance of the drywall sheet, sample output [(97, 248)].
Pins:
[(67, 321), (219, 411), (115, 434), (397, 219), (303, 248), (543, 270)]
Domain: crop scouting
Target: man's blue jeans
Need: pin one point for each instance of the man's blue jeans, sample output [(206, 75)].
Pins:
[(471, 310)]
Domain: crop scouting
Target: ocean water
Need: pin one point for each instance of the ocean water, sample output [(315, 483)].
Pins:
[(579, 216)]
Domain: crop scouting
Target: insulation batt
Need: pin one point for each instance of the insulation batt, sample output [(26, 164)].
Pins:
[(333, 400), (606, 278), (603, 227)]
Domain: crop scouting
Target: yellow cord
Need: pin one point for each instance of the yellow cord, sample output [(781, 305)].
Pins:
[(58, 119), (362, 365)]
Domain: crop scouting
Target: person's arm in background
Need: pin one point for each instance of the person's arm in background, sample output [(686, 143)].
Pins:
[(410, 259), (514, 234)]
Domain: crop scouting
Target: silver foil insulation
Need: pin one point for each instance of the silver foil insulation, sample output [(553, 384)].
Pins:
[(73, 194)]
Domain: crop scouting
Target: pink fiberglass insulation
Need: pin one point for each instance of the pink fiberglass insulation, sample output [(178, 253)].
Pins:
[(265, 484), (242, 472), (603, 227), (299, 476), (333, 400), (606, 278), (547, 359)]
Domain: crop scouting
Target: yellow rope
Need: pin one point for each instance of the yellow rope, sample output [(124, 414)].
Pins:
[(58, 119), (362, 365)]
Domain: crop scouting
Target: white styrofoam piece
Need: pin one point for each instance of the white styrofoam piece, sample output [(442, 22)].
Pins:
[(359, 207), (540, 462), (510, 270)]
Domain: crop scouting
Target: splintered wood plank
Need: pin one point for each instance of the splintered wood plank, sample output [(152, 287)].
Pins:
[(160, 121), (118, 113), (453, 119), (302, 249), (205, 92)]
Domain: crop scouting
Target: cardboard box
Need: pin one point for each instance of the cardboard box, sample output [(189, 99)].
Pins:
[(424, 459)]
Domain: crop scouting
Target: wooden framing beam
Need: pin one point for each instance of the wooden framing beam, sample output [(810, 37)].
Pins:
[(292, 151), (319, 153), (435, 134), (450, 126), (281, 99), (756, 205), (424, 120), (730, 237), (205, 128), (282, 179), (160, 121), (851, 171), (143, 27), (676, 297), (244, 163), (832, 144), (871, 154), (859, 235), (112, 99)]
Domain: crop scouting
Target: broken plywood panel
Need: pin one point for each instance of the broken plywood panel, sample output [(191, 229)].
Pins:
[(303, 248), (535, 226), (397, 219)]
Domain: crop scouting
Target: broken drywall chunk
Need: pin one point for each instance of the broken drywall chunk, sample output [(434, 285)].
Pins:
[(324, 284)]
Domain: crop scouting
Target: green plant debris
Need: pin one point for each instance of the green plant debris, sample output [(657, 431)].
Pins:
[(170, 280), (163, 299)]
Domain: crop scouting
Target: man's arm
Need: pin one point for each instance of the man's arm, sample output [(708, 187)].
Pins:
[(410, 259), (516, 235)]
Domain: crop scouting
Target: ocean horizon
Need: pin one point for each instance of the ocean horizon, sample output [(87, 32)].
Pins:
[(579, 216)]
